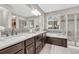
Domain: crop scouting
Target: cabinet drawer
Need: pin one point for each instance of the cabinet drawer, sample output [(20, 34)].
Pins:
[(30, 49), (38, 44), (57, 42), (39, 48), (29, 41), (20, 52), (65, 43), (38, 37), (44, 35), (12, 49), (49, 40)]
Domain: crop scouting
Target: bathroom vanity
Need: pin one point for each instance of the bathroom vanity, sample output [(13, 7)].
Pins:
[(27, 43)]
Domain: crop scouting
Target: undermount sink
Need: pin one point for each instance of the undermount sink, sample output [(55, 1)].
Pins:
[(11, 37), (8, 38), (4, 38), (22, 35)]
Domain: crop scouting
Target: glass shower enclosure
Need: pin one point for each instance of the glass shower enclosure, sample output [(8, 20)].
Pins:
[(70, 26)]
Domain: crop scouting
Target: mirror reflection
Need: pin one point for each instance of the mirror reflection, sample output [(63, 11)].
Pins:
[(12, 24)]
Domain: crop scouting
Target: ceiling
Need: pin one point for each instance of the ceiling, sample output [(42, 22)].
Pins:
[(26, 11), (54, 7), (21, 9)]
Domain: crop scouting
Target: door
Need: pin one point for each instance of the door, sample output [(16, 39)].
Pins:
[(77, 31), (63, 24), (71, 29), (30, 49)]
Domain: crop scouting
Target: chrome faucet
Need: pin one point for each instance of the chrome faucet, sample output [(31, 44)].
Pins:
[(13, 32)]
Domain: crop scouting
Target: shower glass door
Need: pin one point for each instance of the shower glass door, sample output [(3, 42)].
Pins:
[(71, 29), (77, 31), (70, 25), (63, 24)]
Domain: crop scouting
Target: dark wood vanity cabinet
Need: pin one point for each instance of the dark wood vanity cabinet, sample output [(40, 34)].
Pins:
[(32, 45), (29, 46), (20, 52), (39, 42), (44, 38), (30, 49), (14, 49), (57, 41)]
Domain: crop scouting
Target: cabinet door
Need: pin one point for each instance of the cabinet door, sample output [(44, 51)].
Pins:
[(39, 48), (49, 40), (77, 31), (29, 41), (20, 52), (57, 41), (30, 49), (44, 38), (64, 43), (39, 37), (13, 49)]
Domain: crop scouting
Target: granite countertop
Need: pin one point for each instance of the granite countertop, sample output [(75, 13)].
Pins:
[(8, 41), (57, 35)]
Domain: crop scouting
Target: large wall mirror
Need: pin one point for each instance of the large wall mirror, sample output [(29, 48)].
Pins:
[(3, 17), (28, 24)]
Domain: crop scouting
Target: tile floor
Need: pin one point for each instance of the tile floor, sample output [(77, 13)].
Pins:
[(53, 49)]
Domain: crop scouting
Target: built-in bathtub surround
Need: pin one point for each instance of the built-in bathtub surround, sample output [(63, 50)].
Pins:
[(57, 35)]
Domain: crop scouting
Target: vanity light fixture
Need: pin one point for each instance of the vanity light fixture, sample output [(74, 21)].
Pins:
[(13, 17), (36, 12)]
